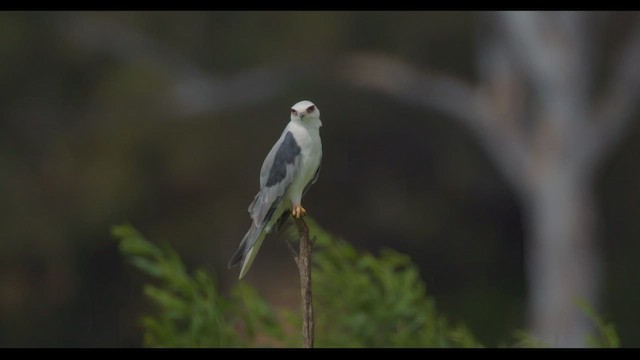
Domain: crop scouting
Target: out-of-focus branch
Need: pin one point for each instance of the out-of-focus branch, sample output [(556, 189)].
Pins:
[(522, 31), (449, 95), (554, 53), (195, 90), (499, 79), (552, 49)]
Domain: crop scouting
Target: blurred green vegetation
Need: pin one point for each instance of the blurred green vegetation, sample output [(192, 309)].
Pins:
[(360, 300)]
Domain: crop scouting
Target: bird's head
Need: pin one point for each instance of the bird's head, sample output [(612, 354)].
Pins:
[(306, 112)]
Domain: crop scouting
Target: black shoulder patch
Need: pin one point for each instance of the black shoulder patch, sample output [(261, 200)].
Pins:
[(286, 154)]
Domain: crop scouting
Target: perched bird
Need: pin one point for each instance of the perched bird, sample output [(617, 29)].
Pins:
[(292, 165)]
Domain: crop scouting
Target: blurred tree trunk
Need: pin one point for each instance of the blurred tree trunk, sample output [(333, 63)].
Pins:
[(535, 113), (561, 256)]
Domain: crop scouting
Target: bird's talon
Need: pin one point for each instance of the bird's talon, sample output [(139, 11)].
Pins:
[(298, 211)]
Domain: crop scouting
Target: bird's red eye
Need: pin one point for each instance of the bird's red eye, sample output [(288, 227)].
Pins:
[(293, 112), (311, 108)]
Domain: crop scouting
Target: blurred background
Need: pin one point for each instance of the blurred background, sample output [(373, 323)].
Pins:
[(444, 137)]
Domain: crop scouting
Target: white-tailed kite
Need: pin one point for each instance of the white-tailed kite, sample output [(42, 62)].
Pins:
[(292, 165)]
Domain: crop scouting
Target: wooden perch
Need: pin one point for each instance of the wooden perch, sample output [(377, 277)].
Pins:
[(303, 261)]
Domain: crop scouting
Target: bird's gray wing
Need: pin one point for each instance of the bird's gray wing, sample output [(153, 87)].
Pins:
[(279, 169)]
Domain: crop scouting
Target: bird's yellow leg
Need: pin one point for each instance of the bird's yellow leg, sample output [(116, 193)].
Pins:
[(298, 211)]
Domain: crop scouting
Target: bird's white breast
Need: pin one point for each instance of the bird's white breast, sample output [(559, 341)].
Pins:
[(308, 138)]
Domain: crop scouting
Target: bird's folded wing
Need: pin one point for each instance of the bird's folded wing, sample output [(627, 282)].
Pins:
[(279, 168)]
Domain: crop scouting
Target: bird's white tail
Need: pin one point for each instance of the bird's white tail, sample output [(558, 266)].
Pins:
[(248, 248), (248, 258)]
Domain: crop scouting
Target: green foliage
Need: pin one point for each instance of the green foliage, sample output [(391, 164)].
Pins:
[(190, 310), (525, 340), (607, 336), (374, 301), (360, 300)]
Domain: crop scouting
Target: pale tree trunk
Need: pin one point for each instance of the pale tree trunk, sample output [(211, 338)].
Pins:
[(562, 264), (553, 54)]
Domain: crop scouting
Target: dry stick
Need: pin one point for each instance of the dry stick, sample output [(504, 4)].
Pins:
[(303, 261)]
